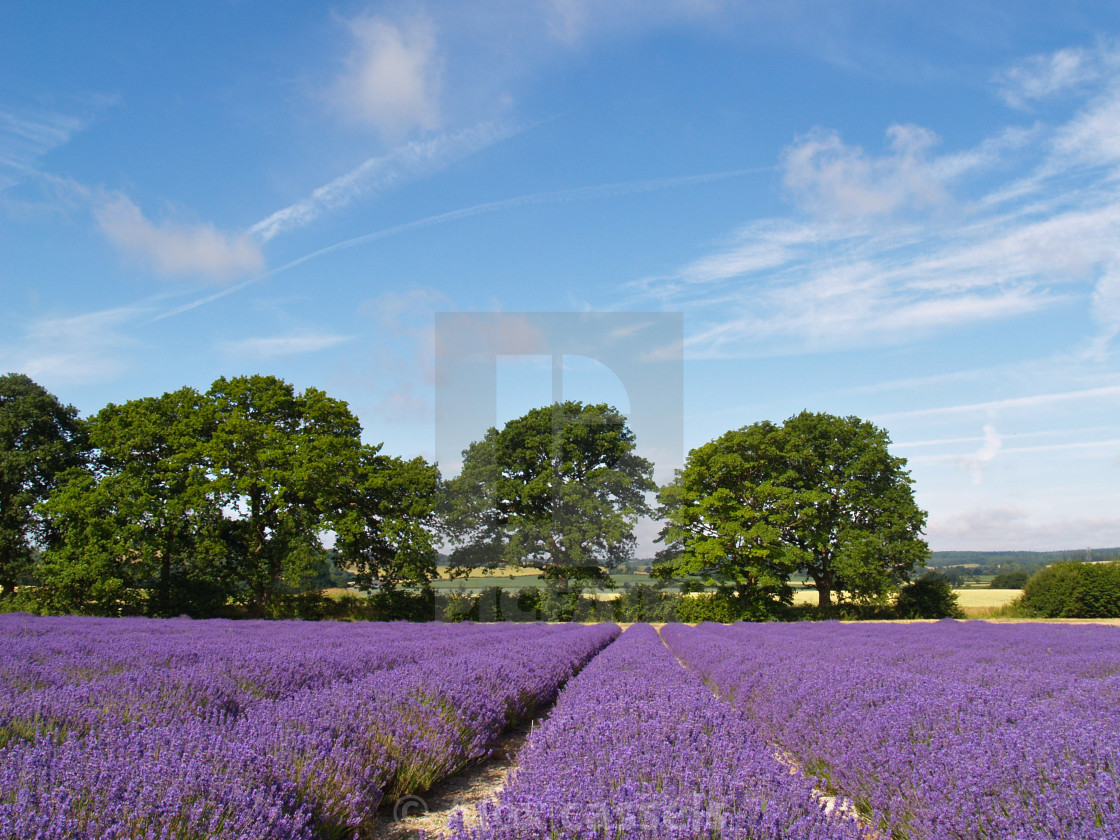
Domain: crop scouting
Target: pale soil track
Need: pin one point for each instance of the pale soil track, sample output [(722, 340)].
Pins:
[(464, 790)]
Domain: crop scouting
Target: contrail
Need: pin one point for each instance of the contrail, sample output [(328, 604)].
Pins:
[(554, 197)]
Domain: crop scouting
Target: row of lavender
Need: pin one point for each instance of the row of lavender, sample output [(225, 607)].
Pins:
[(638, 748), (280, 730), (63, 675), (935, 731)]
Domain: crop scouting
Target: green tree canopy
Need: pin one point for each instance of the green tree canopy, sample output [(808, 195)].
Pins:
[(384, 521), (558, 489), (1074, 590), (930, 596), (140, 530), (194, 499), (40, 439), (819, 494)]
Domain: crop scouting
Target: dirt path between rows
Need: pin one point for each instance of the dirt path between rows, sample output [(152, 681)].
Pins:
[(410, 815)]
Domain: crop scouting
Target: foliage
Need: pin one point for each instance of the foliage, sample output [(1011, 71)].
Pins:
[(194, 500), (727, 605), (1074, 590), (277, 458), (930, 596), (40, 439), (646, 603), (139, 530), (820, 494), (384, 520), (558, 489), (1009, 580), (725, 517)]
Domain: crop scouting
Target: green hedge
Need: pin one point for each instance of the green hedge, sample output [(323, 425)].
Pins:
[(1074, 590), (930, 596)]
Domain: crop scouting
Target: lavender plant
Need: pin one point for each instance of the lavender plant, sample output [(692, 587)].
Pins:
[(138, 728), (637, 748), (942, 731)]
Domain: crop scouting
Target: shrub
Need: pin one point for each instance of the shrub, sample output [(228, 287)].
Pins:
[(646, 603), (726, 606), (1010, 580), (1074, 590), (930, 596)]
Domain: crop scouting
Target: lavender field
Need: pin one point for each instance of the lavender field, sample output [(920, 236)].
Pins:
[(138, 728), (135, 728)]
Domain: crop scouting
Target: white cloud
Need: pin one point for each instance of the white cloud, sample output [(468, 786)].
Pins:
[(1106, 310), (1109, 392), (1093, 136), (393, 76), (1032, 228), (830, 178), (27, 135), (1067, 70), (284, 345), (1011, 528), (170, 248), (82, 349), (976, 463), (414, 160)]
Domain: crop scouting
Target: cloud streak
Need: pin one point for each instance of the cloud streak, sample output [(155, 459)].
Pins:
[(1032, 401), (603, 191), (410, 162), (295, 344), (892, 247), (74, 349), (27, 135)]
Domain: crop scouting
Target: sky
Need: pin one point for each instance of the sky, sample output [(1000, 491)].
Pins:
[(905, 212)]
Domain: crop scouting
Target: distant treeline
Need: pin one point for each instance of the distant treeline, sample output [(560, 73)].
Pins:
[(1025, 560)]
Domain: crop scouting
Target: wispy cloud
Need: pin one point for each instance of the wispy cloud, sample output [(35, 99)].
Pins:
[(603, 191), (393, 76), (294, 344), (27, 135), (831, 178), (1067, 70), (1031, 401), (172, 248), (977, 462), (73, 349), (989, 529), (410, 162), (891, 247)]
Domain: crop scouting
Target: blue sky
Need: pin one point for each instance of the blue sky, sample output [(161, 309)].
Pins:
[(907, 212)]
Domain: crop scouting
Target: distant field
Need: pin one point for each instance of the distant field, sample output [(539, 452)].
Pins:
[(973, 598)]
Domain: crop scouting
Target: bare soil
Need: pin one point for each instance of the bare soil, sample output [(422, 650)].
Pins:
[(429, 812)]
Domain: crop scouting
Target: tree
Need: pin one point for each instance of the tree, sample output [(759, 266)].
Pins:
[(1009, 580), (384, 519), (819, 494), (140, 530), (930, 596), (195, 499), (558, 489), (1074, 590), (725, 517), (40, 439), (279, 461)]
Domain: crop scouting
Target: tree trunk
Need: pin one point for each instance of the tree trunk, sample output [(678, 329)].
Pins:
[(824, 595)]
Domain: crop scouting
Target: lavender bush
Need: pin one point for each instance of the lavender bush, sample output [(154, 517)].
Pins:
[(940, 731), (637, 748), (140, 728)]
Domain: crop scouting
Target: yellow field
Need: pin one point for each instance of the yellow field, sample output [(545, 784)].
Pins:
[(976, 598)]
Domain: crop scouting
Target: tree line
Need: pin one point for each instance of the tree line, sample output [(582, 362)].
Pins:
[(202, 502)]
